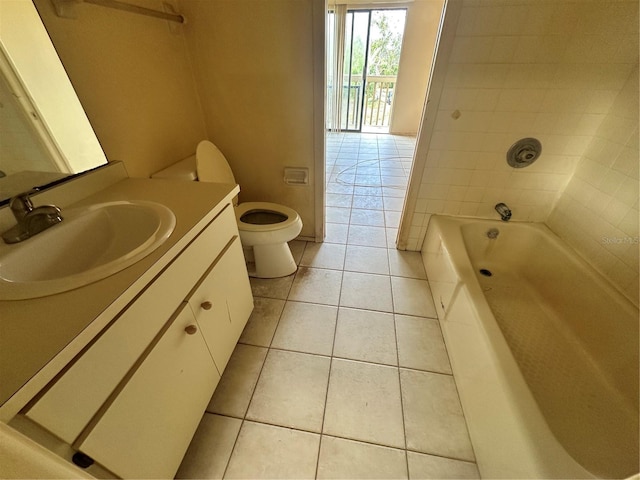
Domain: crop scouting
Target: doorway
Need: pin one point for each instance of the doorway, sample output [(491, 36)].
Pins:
[(364, 49)]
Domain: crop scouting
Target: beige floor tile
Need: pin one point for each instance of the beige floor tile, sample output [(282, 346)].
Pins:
[(324, 255), (340, 459), (316, 285), (391, 219), (307, 328), (367, 164), (367, 291), (271, 287), (338, 200), (367, 236), (374, 218), (363, 403), (211, 447), (366, 335), (393, 181), (338, 214), (369, 202), (336, 233), (423, 466), (291, 391), (297, 249), (392, 235), (397, 192), (433, 415), (392, 172), (263, 321), (269, 452), (233, 393), (412, 297), (338, 187), (367, 180), (366, 260), (364, 190), (421, 345), (393, 203), (406, 264), (390, 162)]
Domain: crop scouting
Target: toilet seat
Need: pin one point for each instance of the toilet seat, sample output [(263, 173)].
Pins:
[(265, 245), (292, 217)]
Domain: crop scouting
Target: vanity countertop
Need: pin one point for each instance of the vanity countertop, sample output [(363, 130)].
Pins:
[(39, 336)]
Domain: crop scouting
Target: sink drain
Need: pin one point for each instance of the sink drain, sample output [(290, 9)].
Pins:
[(485, 272)]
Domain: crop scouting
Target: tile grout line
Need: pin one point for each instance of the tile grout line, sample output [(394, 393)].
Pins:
[(244, 416), (326, 394), (404, 426), (355, 440), (269, 348)]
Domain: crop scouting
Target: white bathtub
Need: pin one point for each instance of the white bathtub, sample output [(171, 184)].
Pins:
[(544, 351)]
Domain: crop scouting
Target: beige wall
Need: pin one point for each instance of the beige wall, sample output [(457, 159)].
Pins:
[(240, 73), (418, 44), (598, 212), (253, 62), (134, 79), (547, 69)]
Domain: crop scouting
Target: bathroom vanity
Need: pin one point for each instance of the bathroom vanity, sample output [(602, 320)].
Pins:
[(112, 378)]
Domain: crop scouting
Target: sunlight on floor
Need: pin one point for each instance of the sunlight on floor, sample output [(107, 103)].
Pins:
[(341, 371)]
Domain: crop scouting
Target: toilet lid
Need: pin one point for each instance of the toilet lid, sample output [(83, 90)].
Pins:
[(211, 164), (286, 216)]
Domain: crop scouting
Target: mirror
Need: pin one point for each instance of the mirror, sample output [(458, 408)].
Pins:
[(45, 136)]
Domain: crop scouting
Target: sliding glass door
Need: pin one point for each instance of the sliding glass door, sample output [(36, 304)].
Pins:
[(364, 52), (355, 65)]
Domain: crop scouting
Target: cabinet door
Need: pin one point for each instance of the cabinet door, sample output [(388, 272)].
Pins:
[(147, 428), (238, 289), (223, 302), (68, 406)]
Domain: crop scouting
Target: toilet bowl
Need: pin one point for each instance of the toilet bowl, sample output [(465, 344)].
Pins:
[(264, 228)]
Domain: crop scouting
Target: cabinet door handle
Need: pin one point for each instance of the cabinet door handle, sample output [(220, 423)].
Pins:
[(191, 329), (206, 305)]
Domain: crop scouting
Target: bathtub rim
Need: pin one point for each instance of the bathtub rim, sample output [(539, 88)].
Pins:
[(543, 450)]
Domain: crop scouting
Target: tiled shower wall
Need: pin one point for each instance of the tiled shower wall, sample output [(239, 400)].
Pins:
[(521, 68), (598, 212)]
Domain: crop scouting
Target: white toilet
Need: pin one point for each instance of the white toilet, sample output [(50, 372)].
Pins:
[(265, 228)]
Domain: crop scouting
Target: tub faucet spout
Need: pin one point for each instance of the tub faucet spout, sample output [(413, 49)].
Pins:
[(504, 211)]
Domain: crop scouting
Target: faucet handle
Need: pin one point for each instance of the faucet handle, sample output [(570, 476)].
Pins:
[(504, 211), (21, 204)]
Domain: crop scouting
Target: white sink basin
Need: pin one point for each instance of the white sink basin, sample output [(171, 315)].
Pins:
[(90, 244)]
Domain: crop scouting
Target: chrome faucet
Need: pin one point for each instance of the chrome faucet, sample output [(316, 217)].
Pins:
[(504, 211), (30, 220)]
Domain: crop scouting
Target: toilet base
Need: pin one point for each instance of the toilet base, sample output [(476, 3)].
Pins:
[(271, 261)]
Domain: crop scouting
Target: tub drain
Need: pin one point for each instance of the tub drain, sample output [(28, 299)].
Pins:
[(485, 272)]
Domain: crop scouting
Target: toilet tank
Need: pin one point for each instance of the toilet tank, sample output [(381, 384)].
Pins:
[(182, 170)]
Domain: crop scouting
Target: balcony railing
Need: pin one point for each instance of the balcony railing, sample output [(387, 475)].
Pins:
[(378, 100), (377, 106)]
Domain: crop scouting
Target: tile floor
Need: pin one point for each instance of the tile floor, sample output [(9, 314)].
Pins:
[(341, 371)]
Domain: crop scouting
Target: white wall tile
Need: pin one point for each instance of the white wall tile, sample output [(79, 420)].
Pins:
[(601, 199), (564, 72)]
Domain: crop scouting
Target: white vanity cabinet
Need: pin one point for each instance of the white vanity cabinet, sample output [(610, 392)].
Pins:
[(146, 430), (222, 303), (134, 397)]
